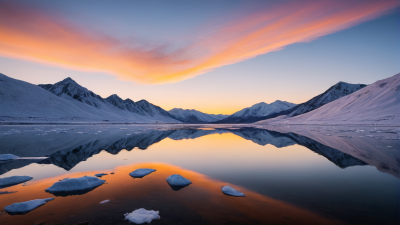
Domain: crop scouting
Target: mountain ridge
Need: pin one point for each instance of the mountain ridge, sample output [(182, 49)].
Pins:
[(377, 103)]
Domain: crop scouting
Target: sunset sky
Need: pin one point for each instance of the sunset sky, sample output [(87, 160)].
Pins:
[(212, 56)]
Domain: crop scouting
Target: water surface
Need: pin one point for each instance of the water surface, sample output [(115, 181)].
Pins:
[(288, 178)]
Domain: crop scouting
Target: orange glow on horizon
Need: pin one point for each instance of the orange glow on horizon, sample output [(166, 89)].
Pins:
[(33, 35)]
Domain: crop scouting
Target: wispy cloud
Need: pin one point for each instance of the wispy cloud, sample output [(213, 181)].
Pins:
[(39, 36)]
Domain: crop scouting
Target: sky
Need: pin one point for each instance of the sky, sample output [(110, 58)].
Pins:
[(212, 56)]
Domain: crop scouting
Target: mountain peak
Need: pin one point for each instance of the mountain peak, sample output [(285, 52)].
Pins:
[(114, 96), (143, 102), (68, 80)]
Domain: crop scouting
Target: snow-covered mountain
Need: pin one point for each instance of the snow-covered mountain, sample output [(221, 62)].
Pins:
[(71, 90), (378, 103), (22, 101), (257, 112), (194, 116), (335, 92)]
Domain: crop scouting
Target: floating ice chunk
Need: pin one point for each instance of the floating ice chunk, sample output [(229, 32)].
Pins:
[(7, 192), (139, 173), (105, 201), (7, 157), (72, 186), (10, 181), (24, 207), (100, 174), (228, 190), (178, 181), (140, 216)]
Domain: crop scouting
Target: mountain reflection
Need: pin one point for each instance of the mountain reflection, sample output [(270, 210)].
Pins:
[(70, 148)]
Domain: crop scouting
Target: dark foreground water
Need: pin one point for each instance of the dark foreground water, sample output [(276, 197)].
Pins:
[(288, 178)]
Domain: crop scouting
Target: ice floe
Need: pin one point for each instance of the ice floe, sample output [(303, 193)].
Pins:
[(7, 192), (228, 190), (7, 157), (100, 174), (177, 182), (139, 173), (14, 180), (140, 216), (75, 186), (24, 207)]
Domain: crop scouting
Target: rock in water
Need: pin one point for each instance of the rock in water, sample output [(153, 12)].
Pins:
[(8, 157), (140, 216), (24, 207), (14, 180), (139, 173), (177, 181), (78, 185), (228, 190)]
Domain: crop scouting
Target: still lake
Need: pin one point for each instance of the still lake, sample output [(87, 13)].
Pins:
[(287, 178)]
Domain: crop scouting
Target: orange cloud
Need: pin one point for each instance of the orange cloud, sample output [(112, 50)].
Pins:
[(34, 35)]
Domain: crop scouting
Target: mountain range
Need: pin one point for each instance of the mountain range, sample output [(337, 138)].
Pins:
[(194, 116), (252, 114), (257, 112), (67, 101), (378, 103)]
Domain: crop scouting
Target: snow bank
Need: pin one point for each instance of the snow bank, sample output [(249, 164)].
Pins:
[(178, 180), (228, 190), (139, 173), (76, 185), (24, 207), (7, 157), (10, 181), (140, 216)]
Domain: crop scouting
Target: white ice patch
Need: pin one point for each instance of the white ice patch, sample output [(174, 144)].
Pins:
[(105, 201), (75, 184), (9, 181), (228, 190), (7, 157), (178, 180), (140, 216), (23, 207), (139, 173)]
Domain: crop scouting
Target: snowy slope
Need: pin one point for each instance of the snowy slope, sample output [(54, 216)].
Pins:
[(378, 103), (194, 116), (333, 93), (71, 90), (22, 101), (257, 112)]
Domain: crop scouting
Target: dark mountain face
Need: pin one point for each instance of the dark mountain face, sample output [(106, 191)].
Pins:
[(69, 89), (256, 111), (335, 92), (121, 104), (153, 109)]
